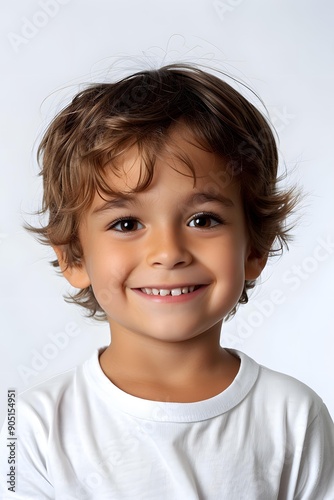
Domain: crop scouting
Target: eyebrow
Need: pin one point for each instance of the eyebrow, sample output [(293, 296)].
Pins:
[(198, 198), (119, 201), (123, 201)]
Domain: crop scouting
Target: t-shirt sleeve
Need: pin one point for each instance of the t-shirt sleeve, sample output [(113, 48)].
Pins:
[(31, 475), (316, 475)]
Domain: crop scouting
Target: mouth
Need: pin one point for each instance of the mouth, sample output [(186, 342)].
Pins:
[(174, 292)]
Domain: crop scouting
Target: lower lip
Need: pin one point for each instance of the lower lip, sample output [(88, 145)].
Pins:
[(172, 299)]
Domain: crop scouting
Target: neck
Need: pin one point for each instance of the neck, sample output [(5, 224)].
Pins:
[(192, 369)]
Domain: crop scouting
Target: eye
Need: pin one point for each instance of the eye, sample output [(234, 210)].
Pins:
[(205, 220), (126, 225)]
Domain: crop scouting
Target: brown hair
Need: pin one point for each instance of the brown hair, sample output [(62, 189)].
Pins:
[(105, 119)]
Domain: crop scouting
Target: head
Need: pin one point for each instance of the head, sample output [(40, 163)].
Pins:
[(85, 146)]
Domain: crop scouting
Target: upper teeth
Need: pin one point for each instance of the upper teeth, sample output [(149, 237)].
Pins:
[(164, 291)]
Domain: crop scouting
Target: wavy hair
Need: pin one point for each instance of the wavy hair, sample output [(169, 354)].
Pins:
[(105, 119)]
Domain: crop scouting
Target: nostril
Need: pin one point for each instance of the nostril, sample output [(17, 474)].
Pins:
[(168, 255)]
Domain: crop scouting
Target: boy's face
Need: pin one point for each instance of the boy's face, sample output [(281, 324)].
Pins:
[(172, 236)]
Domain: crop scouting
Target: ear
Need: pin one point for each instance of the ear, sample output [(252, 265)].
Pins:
[(76, 275), (254, 265)]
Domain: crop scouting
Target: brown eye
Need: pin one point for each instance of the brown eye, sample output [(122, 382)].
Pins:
[(126, 225), (204, 221)]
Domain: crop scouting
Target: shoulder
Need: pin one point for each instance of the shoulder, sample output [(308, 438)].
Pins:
[(288, 389), (278, 393), (56, 395), (49, 390)]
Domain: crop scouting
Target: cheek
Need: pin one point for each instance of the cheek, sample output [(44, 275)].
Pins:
[(230, 284), (234, 275), (108, 275), (231, 267)]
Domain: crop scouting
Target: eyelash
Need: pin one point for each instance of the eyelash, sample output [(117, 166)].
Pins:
[(210, 215), (129, 218), (120, 220)]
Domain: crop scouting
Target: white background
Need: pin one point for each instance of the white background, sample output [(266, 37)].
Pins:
[(283, 49)]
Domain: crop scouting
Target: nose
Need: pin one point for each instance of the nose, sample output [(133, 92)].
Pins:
[(168, 249)]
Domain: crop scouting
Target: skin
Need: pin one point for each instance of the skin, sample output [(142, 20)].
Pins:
[(167, 349)]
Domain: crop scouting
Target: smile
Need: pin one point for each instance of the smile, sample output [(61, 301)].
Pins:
[(163, 292), (171, 295)]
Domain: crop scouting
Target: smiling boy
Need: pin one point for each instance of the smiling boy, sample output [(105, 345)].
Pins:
[(166, 277), (163, 206)]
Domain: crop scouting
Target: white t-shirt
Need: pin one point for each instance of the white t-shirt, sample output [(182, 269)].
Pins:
[(267, 436)]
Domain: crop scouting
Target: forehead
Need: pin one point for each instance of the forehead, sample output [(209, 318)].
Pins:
[(181, 155)]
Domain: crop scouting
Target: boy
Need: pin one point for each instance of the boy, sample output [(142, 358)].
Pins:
[(163, 206)]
